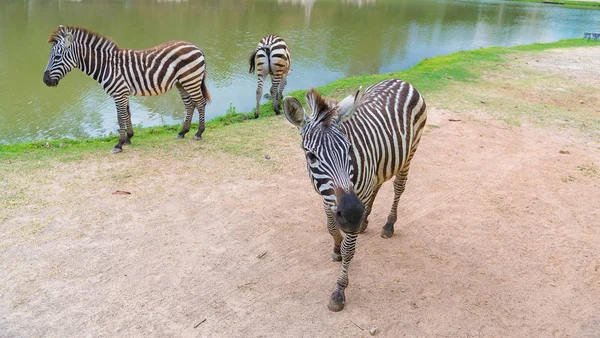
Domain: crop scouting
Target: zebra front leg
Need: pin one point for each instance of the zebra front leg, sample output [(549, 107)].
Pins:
[(334, 230), (129, 126), (189, 110), (399, 185), (368, 207), (338, 297), (258, 94), (122, 104)]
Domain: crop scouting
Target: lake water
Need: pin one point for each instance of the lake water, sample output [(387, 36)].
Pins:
[(329, 40)]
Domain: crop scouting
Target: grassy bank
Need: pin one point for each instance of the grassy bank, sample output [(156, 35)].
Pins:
[(429, 76), (567, 3)]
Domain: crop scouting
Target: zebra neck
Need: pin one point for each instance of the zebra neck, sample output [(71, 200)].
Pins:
[(95, 62)]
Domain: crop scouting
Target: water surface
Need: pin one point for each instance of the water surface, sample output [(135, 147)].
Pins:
[(329, 40)]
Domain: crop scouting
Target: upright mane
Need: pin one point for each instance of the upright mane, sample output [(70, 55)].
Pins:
[(323, 109), (79, 34)]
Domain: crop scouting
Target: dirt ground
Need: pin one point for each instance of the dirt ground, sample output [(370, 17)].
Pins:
[(498, 234)]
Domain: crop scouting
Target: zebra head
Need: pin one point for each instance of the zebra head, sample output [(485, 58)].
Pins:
[(62, 56), (329, 153)]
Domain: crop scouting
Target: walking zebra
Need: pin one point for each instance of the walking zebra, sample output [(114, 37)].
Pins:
[(352, 148), (271, 57), (124, 72)]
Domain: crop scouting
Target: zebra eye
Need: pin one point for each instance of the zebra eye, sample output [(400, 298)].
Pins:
[(311, 157)]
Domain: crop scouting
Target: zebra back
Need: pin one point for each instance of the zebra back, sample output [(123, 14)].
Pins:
[(385, 130)]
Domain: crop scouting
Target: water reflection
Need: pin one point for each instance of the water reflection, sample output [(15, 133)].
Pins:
[(328, 40)]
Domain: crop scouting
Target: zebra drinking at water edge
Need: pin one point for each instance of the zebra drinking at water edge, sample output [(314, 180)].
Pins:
[(352, 148), (271, 57), (124, 72)]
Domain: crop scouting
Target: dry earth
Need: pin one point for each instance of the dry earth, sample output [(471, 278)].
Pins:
[(498, 232)]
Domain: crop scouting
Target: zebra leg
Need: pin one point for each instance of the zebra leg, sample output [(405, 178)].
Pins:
[(334, 230), (275, 94), (189, 110), (280, 88), (259, 89), (338, 298), (368, 207), (122, 104), (129, 126), (201, 106), (399, 185)]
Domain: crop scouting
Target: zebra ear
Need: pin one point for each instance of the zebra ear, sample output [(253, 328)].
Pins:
[(294, 112), (347, 106), (68, 39)]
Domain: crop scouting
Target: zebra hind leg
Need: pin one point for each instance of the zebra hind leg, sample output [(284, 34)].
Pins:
[(258, 94), (200, 104), (399, 185), (280, 88), (189, 111), (275, 94)]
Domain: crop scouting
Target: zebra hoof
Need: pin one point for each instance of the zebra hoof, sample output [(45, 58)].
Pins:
[(387, 231), (179, 136), (337, 301), (117, 150), (336, 257), (197, 137)]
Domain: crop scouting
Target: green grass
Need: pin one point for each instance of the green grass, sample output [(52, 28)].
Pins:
[(429, 76), (567, 3)]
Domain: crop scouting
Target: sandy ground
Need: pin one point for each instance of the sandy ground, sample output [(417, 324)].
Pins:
[(498, 236)]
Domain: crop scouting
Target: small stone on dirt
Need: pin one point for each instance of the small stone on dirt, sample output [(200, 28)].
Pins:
[(564, 152), (267, 157), (373, 331)]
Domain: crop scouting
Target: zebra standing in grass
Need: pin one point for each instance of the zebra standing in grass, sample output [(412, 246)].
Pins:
[(271, 57), (352, 148), (125, 72)]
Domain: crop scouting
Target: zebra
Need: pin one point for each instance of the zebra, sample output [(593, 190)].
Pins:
[(123, 72), (352, 148), (271, 57)]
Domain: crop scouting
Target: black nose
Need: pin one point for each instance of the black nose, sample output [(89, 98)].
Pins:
[(350, 211), (48, 81)]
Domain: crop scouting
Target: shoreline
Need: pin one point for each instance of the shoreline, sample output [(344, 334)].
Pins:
[(429, 75)]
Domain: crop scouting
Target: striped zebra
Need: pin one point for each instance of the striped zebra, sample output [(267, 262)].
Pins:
[(352, 148), (271, 57), (124, 72)]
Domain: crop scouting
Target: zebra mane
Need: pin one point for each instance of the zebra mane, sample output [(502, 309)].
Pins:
[(79, 34), (323, 109)]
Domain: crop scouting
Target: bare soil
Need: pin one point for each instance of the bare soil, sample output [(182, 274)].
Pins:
[(498, 232)]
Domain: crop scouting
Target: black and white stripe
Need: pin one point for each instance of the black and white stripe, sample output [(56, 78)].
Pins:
[(271, 57), (125, 72), (352, 147)]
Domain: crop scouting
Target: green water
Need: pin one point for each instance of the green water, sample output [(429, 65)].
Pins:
[(328, 39)]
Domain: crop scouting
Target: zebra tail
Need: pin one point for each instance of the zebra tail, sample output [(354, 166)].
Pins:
[(252, 60), (205, 92)]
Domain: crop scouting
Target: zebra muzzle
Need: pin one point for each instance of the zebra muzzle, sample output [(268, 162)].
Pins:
[(349, 212), (49, 81)]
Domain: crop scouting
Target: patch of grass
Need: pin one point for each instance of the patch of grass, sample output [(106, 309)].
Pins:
[(567, 3)]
